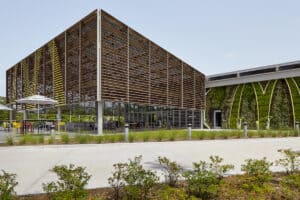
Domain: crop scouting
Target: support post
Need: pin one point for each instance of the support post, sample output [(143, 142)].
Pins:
[(58, 117), (201, 119), (126, 131), (24, 115), (189, 131), (245, 127), (99, 117), (297, 127)]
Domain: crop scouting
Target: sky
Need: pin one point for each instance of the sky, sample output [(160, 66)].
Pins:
[(213, 36)]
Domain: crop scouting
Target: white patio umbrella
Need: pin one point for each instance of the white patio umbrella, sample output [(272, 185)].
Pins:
[(37, 99), (3, 107)]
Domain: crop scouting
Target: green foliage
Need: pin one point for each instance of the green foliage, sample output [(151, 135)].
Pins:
[(145, 137), (219, 98), (70, 185), (294, 85), (258, 170), (139, 181), (131, 137), (9, 140), (7, 185), (171, 193), (290, 161), (264, 97), (212, 135), (248, 106), (136, 181), (82, 138), (292, 181), (172, 170), (159, 136), (281, 113), (235, 109), (41, 139), (204, 179), (29, 139), (116, 181), (51, 139), (217, 168), (65, 138)]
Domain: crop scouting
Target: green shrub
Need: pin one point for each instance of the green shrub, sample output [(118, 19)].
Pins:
[(223, 135), (239, 134), (291, 181), (170, 193), (120, 137), (159, 136), (201, 182), (116, 181), (131, 137), (70, 185), (216, 167), (99, 139), (51, 139), (9, 140), (290, 161), (295, 133), (204, 179), (285, 134), (31, 139), (145, 137), (7, 185), (82, 138), (200, 135), (273, 134), (212, 135), (172, 136), (65, 138), (22, 140), (138, 181), (171, 169), (250, 134), (41, 139), (258, 170), (261, 134)]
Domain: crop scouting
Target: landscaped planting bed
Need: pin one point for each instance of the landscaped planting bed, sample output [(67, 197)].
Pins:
[(145, 136)]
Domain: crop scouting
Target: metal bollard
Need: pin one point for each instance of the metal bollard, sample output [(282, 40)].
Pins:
[(126, 132), (297, 127), (190, 131), (245, 127)]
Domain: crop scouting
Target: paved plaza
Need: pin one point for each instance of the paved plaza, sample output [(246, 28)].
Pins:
[(32, 163)]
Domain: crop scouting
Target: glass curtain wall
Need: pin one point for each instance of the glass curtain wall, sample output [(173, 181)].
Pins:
[(116, 114)]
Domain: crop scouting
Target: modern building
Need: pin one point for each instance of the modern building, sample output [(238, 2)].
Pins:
[(104, 73), (264, 97)]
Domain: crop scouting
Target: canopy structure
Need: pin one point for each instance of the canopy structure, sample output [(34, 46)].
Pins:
[(37, 99), (3, 107)]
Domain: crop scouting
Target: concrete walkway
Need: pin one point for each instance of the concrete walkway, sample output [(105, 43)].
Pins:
[(32, 163)]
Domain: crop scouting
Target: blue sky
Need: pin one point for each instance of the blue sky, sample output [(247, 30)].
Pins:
[(213, 36)]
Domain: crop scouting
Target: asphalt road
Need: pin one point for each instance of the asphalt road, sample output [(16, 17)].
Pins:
[(32, 163)]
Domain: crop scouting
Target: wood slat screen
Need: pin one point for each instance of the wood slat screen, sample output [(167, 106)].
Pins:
[(114, 59)]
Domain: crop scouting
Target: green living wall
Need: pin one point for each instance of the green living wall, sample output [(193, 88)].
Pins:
[(263, 105)]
